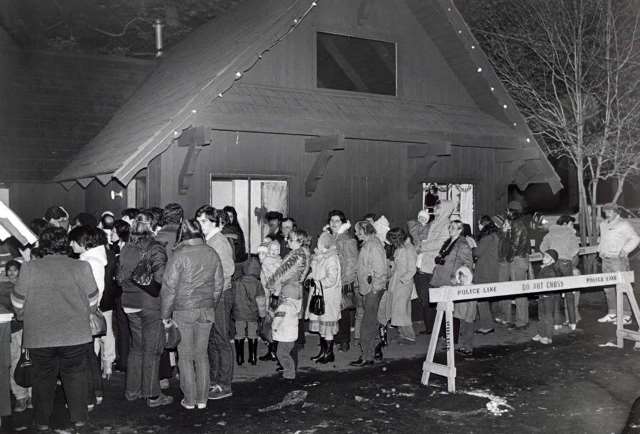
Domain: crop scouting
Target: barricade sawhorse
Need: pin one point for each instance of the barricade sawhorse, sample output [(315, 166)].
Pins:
[(445, 297)]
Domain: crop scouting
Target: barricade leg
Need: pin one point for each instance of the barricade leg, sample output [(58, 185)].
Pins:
[(445, 309), (621, 332)]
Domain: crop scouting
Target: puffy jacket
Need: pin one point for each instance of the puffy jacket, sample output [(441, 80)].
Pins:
[(372, 267), (193, 278), (348, 255), (563, 240), (132, 295), (514, 242)]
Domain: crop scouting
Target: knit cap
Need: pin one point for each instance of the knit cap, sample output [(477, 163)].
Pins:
[(553, 254)]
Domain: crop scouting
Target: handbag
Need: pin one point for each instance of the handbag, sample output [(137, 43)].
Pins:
[(348, 297), (172, 336), (24, 370), (98, 323), (316, 304), (142, 273)]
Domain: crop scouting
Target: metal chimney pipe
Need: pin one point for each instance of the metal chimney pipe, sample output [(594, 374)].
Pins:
[(158, 27)]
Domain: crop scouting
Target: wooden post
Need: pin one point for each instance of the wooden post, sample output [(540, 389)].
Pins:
[(444, 309), (621, 332)]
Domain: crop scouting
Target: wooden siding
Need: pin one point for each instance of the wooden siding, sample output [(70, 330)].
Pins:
[(30, 200), (422, 72), (365, 177)]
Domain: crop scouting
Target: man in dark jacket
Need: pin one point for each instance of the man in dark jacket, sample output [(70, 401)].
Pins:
[(513, 257), (172, 216)]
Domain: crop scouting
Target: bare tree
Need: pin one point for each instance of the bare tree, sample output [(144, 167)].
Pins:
[(573, 67)]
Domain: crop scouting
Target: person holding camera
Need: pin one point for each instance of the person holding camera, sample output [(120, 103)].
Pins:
[(454, 253), (372, 280)]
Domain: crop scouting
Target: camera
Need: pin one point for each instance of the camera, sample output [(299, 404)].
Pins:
[(439, 260)]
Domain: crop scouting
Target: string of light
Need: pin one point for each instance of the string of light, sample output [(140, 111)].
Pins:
[(479, 70), (238, 75)]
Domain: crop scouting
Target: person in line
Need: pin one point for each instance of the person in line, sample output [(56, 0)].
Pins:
[(270, 261), (212, 221), (438, 234), (192, 285), (85, 242), (395, 306), (129, 215), (141, 303), (547, 301), (562, 239), (289, 276), (248, 308), (617, 240), (53, 296), (372, 280), (274, 220), (485, 269), (235, 234), (347, 248), (455, 253), (22, 394), (513, 256), (325, 278), (119, 238), (419, 233)]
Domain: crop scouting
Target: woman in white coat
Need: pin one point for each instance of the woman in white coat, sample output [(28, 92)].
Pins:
[(395, 305), (325, 272)]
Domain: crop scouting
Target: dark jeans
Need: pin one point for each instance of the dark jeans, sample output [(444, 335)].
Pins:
[(121, 333), (219, 349), (94, 375), (369, 329), (147, 336), (70, 363), (422, 280), (345, 321)]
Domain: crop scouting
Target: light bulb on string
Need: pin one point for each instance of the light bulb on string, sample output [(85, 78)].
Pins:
[(479, 69), (194, 111), (492, 89), (238, 75), (504, 106)]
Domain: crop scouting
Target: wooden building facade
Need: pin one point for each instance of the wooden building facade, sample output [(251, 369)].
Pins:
[(353, 103)]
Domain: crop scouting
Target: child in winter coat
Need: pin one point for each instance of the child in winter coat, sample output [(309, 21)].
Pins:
[(285, 329), (248, 306), (546, 301), (270, 260)]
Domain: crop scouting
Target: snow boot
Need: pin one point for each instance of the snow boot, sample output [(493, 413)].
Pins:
[(328, 355), (378, 352), (323, 350), (271, 353)]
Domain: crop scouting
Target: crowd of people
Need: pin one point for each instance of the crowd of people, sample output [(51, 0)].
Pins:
[(155, 270)]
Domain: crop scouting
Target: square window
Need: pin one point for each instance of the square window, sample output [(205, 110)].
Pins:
[(355, 64)]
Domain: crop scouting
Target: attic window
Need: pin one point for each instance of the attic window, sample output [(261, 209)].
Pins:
[(356, 64)]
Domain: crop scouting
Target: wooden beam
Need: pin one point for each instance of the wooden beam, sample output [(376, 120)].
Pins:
[(423, 168), (507, 155), (508, 175), (321, 143), (67, 184), (317, 171), (433, 149), (195, 139)]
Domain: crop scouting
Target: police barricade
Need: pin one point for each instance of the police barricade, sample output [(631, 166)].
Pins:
[(446, 296)]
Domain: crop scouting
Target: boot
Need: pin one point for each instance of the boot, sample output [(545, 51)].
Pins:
[(328, 355), (323, 350), (253, 351), (239, 351), (270, 354), (378, 352)]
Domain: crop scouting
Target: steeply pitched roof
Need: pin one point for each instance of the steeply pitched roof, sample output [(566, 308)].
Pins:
[(194, 72), (190, 77)]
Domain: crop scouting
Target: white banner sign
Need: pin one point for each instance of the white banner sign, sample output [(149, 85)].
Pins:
[(519, 287)]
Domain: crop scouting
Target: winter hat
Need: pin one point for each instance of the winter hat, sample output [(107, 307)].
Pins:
[(553, 254), (515, 206)]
